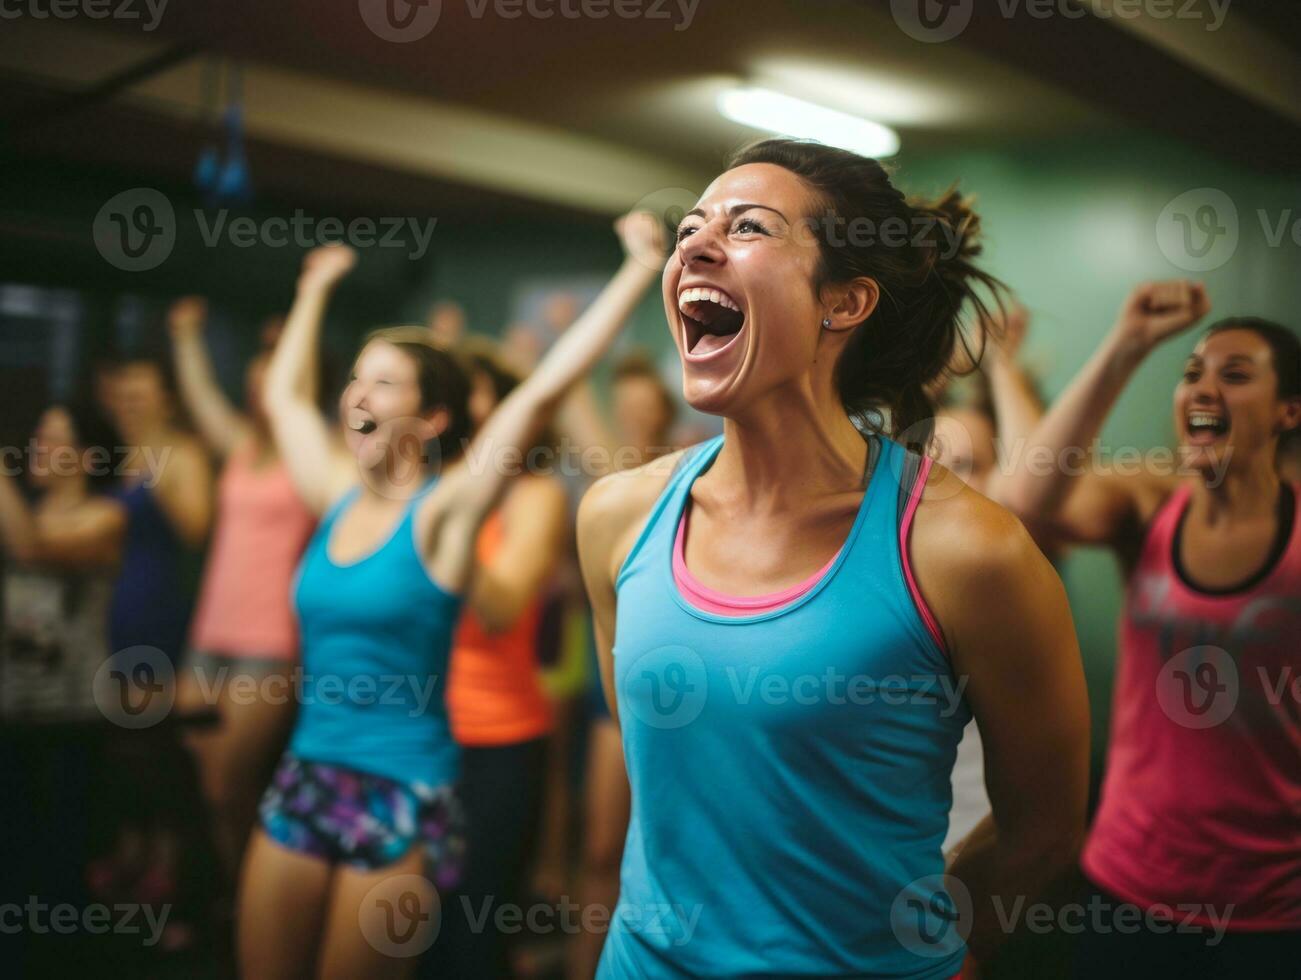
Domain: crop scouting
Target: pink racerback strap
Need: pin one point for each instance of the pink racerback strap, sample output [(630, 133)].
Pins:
[(905, 526)]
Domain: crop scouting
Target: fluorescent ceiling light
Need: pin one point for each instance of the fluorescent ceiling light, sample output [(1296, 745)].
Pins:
[(789, 116)]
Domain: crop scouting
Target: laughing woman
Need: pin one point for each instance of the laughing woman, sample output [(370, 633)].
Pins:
[(795, 621), (366, 792), (1200, 815)]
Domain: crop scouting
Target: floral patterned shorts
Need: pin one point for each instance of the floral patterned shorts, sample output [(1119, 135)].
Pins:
[(360, 819)]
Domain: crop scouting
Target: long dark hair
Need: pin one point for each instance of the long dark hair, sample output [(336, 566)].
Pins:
[(926, 278)]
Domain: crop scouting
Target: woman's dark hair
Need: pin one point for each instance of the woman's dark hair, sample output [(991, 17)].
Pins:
[(483, 356), (444, 382), (920, 253), (1285, 353)]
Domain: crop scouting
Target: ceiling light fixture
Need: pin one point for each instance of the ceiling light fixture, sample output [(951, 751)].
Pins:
[(777, 113)]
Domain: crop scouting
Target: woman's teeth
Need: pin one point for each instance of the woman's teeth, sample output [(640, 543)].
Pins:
[(698, 295), (1202, 422)]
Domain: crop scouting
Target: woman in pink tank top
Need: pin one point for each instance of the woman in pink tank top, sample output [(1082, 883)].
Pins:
[(1194, 857), (243, 643)]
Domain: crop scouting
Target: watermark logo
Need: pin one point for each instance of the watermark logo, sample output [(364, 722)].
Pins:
[(401, 21), (670, 205), (135, 231), (1199, 230), (64, 919), (148, 11), (135, 687), (932, 21), (401, 916), (1199, 687), (931, 917), (666, 687)]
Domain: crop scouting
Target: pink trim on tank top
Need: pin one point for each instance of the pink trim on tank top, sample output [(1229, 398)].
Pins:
[(905, 525), (720, 603)]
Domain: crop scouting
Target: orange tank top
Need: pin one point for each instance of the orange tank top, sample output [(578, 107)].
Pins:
[(494, 692)]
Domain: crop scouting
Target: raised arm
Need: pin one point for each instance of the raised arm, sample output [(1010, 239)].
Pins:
[(320, 470), (1092, 508), (92, 536), (536, 521), (1016, 406), (223, 428), (469, 492)]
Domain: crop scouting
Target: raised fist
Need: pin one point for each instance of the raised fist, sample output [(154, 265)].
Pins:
[(187, 315), (1156, 311), (325, 265), (643, 237)]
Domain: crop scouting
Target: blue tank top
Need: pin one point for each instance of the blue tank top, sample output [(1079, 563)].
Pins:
[(789, 770), (150, 604), (376, 635)]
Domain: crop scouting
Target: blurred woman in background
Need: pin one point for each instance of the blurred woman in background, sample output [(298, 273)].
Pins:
[(167, 495), (243, 641), (499, 712), (1197, 824), (644, 412), (365, 799)]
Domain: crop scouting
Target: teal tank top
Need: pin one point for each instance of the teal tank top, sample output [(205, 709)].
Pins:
[(790, 770), (376, 635)]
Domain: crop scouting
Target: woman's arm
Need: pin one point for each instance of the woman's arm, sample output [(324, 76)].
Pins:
[(1016, 407), (467, 494), (1012, 643), (222, 427), (1091, 508), (184, 491), (320, 470), (535, 517), (92, 536)]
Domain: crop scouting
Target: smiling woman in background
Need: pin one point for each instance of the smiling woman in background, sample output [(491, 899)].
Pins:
[(366, 793), (1199, 809)]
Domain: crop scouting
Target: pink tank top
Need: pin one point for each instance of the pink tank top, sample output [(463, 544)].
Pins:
[(1201, 804), (261, 529)]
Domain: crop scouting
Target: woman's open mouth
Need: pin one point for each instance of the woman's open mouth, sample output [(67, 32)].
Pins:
[(363, 426), (1205, 427), (711, 320)]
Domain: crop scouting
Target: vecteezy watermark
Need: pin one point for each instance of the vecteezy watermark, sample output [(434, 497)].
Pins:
[(931, 916), (1102, 916), (148, 11), (135, 688), (665, 687), (833, 687), (1199, 687), (401, 916), (935, 21), (410, 692), (1201, 229), (404, 21), (674, 921), (65, 919), (96, 461), (136, 230)]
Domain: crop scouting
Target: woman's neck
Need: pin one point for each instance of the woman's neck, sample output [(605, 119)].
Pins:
[(787, 449), (1245, 493), (394, 483), (64, 492)]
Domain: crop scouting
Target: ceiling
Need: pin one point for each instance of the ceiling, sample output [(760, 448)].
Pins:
[(593, 114)]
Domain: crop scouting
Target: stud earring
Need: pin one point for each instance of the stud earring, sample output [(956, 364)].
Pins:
[(826, 322)]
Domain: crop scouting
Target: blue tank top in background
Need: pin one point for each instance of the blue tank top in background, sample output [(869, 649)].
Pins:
[(150, 604), (789, 770), (376, 635)]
